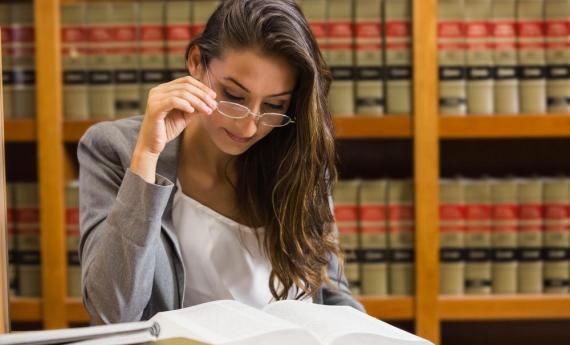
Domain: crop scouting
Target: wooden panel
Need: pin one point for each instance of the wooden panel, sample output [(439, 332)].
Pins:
[(4, 283), (520, 126), (75, 311), (389, 308), (50, 153), (426, 163), (25, 309), (373, 127), (510, 307), (21, 130)]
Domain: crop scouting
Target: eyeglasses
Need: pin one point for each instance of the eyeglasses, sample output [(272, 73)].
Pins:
[(238, 111)]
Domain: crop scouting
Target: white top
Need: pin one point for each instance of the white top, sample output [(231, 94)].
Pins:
[(222, 258)]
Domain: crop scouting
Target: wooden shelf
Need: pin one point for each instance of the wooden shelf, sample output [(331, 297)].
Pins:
[(363, 127), (508, 307), (504, 126), (73, 130), (23, 309), (76, 313), (388, 307), (20, 130)]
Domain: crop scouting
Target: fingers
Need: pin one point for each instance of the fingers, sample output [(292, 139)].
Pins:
[(192, 99)]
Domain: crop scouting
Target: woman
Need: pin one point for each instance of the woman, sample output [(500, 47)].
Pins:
[(222, 189)]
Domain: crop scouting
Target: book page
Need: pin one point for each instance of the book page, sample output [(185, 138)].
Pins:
[(341, 325), (230, 322)]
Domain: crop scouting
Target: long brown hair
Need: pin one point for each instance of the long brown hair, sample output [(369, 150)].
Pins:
[(284, 181)]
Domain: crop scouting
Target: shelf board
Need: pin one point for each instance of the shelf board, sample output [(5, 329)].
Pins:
[(76, 313), (504, 126), (508, 307), (19, 130), (389, 307), (24, 309), (73, 130), (373, 127)]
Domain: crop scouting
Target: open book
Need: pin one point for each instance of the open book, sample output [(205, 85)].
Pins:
[(231, 322)]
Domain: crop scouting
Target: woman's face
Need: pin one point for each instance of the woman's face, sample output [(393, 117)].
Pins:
[(262, 83)]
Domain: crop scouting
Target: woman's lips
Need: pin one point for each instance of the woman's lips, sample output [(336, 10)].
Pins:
[(237, 138)]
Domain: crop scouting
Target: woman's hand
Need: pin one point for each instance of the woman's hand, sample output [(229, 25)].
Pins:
[(170, 108)]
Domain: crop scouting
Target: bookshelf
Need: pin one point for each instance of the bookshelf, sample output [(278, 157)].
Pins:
[(426, 129)]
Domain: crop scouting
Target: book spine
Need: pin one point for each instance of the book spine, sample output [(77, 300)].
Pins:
[(504, 236), (316, 13), (152, 47), (480, 71), (557, 19), (369, 59), (12, 248), (452, 237), (23, 61), (7, 61), (530, 237), (126, 59), (345, 197), (178, 35), (72, 230), (373, 223), (398, 57), (451, 57), (478, 237), (101, 35), (556, 236), (74, 61), (341, 57), (506, 93), (201, 12), (401, 237), (530, 29), (28, 239)]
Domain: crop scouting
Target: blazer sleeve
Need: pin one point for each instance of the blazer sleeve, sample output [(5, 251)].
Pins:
[(120, 221)]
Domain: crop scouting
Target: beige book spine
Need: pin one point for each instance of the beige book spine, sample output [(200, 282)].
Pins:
[(556, 235), (74, 61), (72, 239), (530, 236), (452, 237), (451, 57), (369, 58), (345, 198), (532, 60), (23, 62), (316, 13), (7, 60), (478, 237), (341, 57), (401, 237), (479, 57), (557, 20), (504, 236), (373, 224), (152, 47), (126, 59), (201, 12), (398, 57), (178, 35), (506, 90), (28, 238), (101, 35)]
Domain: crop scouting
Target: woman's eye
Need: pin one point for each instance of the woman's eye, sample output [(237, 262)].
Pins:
[(231, 97), (274, 106)]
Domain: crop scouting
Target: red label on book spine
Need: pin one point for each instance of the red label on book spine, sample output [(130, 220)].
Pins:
[(373, 218), (452, 218), (346, 217), (478, 218)]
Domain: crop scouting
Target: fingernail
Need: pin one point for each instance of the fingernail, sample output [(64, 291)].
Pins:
[(208, 110), (213, 104)]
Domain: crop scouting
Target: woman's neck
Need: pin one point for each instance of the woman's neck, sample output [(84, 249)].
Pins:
[(199, 154)]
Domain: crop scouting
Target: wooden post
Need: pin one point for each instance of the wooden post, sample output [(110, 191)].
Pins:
[(50, 155), (426, 166)]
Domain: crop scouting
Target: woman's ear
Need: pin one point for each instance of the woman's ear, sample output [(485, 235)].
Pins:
[(194, 62)]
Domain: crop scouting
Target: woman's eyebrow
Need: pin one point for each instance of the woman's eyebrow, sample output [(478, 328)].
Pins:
[(246, 90)]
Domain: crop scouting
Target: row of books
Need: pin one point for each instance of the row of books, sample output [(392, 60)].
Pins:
[(24, 239), (115, 52), (504, 57), (500, 236)]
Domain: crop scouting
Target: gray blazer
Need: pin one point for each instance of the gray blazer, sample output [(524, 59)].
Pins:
[(130, 257)]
